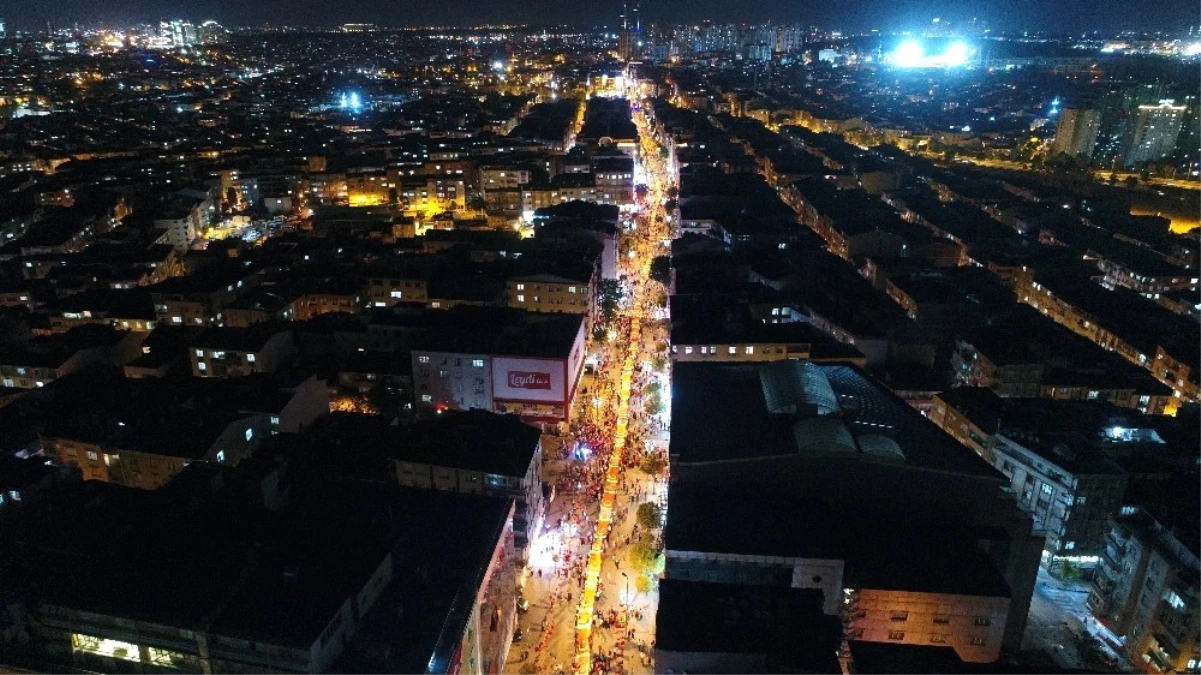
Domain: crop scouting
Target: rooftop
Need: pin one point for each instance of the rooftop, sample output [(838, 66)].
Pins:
[(739, 424), (786, 624)]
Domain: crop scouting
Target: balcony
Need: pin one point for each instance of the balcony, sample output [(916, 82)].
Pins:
[(1118, 545), (1110, 557)]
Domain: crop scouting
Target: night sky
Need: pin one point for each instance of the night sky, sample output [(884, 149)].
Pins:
[(1054, 15)]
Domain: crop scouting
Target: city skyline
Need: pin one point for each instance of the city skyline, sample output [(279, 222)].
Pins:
[(1031, 15)]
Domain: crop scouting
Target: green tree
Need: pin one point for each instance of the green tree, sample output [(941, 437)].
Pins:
[(646, 557), (653, 465), (610, 294), (650, 515), (654, 405)]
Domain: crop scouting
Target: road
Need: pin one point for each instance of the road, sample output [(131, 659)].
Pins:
[(1101, 174), (585, 613), (1061, 627)]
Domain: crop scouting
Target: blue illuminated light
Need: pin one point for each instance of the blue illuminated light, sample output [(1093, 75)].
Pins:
[(912, 54)]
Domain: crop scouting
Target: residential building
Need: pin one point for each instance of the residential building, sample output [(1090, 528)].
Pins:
[(237, 352), (1146, 589), (1076, 135), (1156, 128)]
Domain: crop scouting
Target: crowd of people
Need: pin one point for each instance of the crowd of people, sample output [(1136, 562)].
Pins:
[(586, 449)]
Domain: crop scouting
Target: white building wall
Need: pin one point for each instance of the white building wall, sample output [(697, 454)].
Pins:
[(973, 625)]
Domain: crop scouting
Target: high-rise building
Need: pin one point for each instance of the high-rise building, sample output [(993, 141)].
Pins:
[(1156, 128), (1077, 132), (3, 29), (631, 31), (1188, 146)]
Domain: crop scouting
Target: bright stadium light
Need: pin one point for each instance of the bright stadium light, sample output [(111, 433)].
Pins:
[(909, 54), (956, 55)]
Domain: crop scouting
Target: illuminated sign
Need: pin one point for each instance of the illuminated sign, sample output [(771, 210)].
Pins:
[(521, 379), (530, 380)]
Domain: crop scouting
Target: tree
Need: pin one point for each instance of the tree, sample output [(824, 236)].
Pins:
[(653, 465), (1131, 181), (643, 584), (661, 269), (646, 557), (652, 389), (654, 405), (650, 515), (610, 294)]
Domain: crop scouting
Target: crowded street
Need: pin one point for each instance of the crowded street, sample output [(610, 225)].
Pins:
[(591, 581)]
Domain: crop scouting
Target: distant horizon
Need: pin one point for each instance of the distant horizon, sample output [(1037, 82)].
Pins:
[(1046, 16)]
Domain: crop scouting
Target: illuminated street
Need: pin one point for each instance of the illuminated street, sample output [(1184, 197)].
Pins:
[(600, 338), (585, 604)]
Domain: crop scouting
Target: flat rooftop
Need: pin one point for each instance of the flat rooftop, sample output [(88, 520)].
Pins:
[(721, 413)]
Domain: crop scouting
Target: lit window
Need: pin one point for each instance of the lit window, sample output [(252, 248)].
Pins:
[(775, 311), (688, 350), (521, 287), (750, 349), (571, 289), (93, 455), (426, 398), (200, 352), (397, 294), (521, 298), (275, 420), (478, 363), (423, 359), (733, 350), (111, 648), (202, 366), (220, 455), (250, 358), (1175, 601), (1069, 545), (249, 434)]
